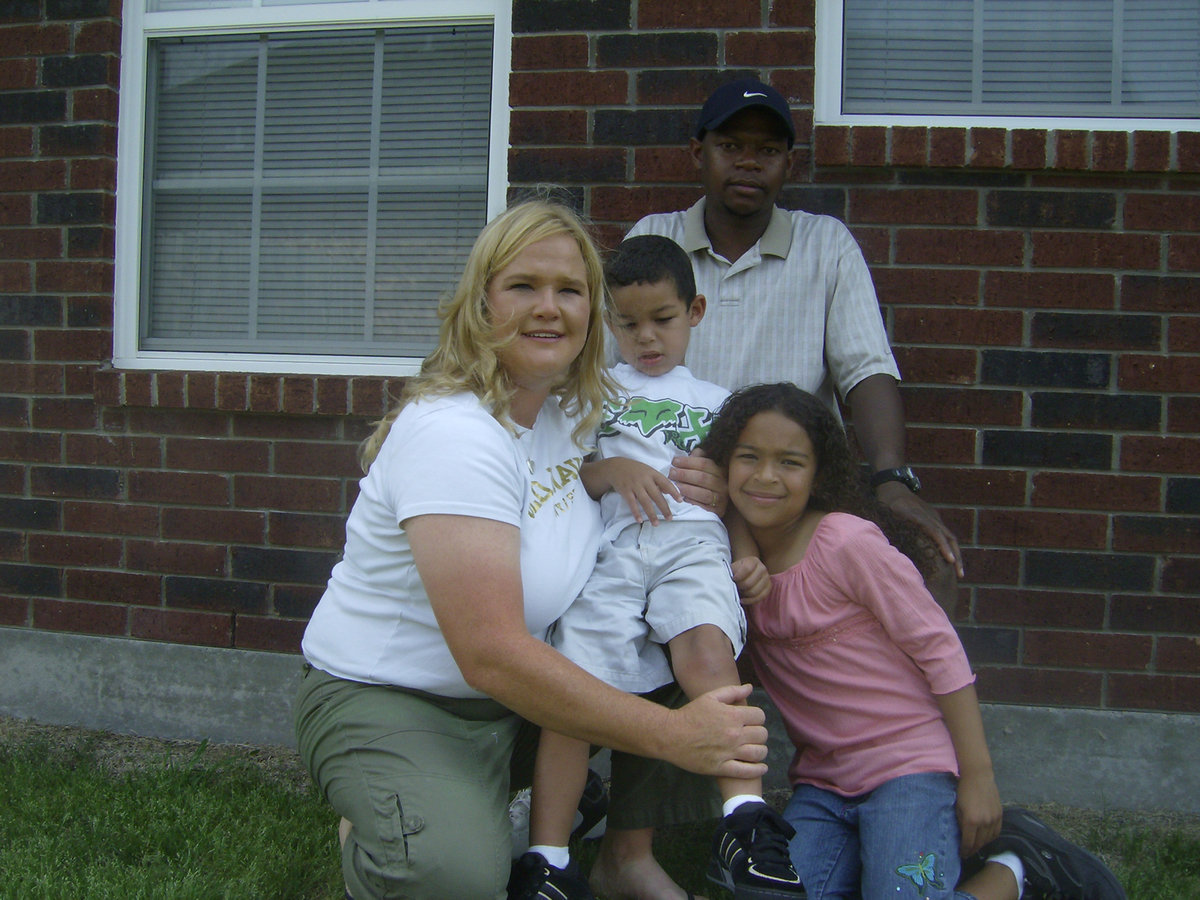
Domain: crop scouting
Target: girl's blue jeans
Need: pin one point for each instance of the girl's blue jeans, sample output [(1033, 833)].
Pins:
[(898, 841)]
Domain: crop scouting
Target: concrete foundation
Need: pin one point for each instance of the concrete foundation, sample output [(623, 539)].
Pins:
[(148, 688), (1097, 759)]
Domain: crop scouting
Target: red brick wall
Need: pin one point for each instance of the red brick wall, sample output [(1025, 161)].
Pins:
[(1042, 289), (189, 507)]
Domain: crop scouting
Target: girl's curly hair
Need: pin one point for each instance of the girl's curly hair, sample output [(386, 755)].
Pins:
[(839, 485)]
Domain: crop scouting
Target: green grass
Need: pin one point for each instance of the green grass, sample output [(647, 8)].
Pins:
[(90, 815), (1154, 860), (173, 828)]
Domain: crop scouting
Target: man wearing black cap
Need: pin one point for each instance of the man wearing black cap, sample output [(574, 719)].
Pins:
[(789, 294)]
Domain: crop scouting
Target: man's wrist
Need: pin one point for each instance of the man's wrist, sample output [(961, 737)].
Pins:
[(902, 474)]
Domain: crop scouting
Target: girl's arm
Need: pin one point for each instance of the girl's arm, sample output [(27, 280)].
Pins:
[(978, 805), (741, 542), (752, 579), (703, 483), (749, 573), (471, 571)]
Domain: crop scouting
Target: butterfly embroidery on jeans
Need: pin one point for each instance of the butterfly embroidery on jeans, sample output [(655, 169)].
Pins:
[(922, 872)]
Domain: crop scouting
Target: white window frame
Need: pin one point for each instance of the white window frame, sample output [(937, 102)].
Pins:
[(140, 26), (827, 105)]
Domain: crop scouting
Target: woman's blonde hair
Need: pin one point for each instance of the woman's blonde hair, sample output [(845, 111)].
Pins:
[(466, 355)]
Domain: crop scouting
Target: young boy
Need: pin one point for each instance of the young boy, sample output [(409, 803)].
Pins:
[(663, 581)]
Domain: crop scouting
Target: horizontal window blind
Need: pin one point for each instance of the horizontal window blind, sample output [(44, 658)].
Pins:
[(312, 192), (1128, 58), (208, 5)]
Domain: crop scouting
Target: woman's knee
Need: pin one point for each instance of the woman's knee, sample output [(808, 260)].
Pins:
[(412, 857)]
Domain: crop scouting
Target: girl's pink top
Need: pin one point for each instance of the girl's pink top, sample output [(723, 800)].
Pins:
[(852, 649)]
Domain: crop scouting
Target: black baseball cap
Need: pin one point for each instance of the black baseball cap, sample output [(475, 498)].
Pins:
[(744, 93)]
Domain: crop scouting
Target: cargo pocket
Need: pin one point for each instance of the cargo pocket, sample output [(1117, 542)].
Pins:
[(395, 829)]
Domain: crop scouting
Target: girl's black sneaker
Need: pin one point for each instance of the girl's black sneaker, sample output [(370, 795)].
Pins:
[(1054, 867)]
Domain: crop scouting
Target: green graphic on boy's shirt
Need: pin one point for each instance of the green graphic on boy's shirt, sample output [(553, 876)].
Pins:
[(678, 424)]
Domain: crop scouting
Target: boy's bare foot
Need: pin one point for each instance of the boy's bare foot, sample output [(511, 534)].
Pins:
[(633, 878)]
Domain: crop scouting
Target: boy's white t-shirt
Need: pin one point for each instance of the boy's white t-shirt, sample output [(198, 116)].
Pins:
[(449, 456), (657, 418)]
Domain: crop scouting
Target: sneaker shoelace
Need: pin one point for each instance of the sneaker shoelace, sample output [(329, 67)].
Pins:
[(769, 851)]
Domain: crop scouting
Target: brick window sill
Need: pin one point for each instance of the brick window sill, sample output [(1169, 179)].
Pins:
[(320, 395), (1001, 148)]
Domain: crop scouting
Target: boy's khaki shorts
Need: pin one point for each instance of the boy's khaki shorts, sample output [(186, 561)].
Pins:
[(650, 584)]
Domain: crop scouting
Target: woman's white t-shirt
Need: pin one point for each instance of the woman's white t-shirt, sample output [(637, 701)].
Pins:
[(449, 456)]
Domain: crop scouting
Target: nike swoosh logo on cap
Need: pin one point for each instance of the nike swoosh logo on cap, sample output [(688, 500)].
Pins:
[(753, 94)]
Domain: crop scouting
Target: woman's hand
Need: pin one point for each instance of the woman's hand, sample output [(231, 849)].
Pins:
[(701, 481), (717, 734), (979, 811)]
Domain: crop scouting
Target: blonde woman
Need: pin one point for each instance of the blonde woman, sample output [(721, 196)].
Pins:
[(470, 536)]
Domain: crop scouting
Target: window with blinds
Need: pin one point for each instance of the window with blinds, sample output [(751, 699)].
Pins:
[(1055, 58), (308, 191)]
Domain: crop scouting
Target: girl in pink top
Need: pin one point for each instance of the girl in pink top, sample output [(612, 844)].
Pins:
[(893, 780)]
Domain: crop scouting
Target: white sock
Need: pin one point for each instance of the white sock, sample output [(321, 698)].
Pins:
[(1013, 863), (559, 857), (737, 800)]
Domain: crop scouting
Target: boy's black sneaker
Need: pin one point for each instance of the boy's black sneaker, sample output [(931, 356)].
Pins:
[(533, 878), (1054, 867), (750, 855)]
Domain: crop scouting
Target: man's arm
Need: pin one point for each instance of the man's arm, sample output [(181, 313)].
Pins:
[(878, 416)]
